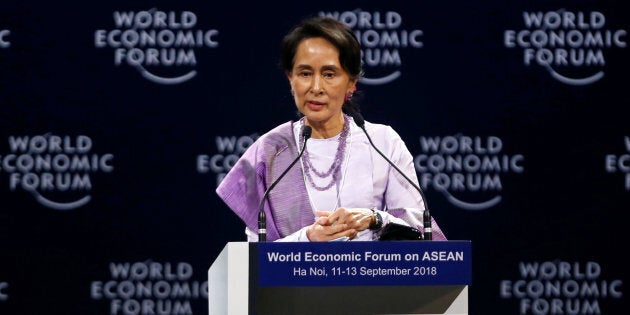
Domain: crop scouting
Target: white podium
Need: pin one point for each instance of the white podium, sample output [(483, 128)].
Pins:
[(397, 277)]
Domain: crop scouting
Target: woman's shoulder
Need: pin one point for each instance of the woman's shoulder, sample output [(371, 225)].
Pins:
[(380, 130), (283, 129), (280, 137)]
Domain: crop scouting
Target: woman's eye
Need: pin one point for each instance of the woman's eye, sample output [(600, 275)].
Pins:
[(329, 75)]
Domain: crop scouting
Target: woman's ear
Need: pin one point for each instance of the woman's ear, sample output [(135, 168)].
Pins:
[(353, 85), (354, 82)]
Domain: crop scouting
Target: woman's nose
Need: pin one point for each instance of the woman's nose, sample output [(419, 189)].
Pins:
[(317, 87)]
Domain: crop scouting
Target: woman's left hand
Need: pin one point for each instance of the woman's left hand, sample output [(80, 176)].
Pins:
[(355, 218)]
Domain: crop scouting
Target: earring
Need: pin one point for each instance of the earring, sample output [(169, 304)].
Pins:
[(350, 94)]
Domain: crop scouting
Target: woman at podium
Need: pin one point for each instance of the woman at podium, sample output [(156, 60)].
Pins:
[(320, 177)]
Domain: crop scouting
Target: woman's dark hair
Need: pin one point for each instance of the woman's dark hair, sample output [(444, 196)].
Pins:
[(338, 34)]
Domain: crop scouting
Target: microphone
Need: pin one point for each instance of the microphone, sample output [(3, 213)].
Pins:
[(262, 220), (426, 216)]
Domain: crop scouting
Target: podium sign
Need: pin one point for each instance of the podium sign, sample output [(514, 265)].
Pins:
[(401, 277), (364, 263)]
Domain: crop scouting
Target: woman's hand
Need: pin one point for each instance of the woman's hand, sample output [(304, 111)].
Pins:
[(355, 218), (339, 223)]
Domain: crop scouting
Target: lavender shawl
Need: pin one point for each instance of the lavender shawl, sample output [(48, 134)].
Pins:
[(287, 207)]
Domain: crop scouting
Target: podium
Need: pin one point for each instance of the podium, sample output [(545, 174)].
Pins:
[(395, 277)]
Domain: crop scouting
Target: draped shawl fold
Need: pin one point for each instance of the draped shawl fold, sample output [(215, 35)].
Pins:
[(287, 207)]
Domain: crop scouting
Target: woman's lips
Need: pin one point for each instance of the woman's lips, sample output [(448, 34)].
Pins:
[(315, 105)]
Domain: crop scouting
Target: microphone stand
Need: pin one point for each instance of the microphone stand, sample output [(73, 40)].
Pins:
[(262, 220), (426, 216)]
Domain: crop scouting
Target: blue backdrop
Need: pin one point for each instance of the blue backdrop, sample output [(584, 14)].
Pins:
[(118, 119)]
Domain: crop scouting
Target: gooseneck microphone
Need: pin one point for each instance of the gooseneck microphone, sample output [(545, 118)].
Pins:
[(262, 220), (426, 216)]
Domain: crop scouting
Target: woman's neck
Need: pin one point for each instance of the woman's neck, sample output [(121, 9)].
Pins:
[(326, 129)]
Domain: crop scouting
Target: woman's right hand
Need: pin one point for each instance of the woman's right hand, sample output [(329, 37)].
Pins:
[(324, 230)]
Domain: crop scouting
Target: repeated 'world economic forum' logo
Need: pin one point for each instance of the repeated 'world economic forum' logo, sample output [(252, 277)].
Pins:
[(4, 38), (382, 36), (466, 169), (561, 287), (150, 287), (620, 163), (160, 45), (4, 291), (228, 150), (570, 45), (55, 169)]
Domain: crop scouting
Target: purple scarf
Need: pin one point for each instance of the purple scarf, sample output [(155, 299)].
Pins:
[(287, 207)]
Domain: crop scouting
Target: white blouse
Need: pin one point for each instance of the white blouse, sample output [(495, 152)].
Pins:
[(367, 180)]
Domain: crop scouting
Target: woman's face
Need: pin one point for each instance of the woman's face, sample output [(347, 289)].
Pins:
[(318, 82)]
